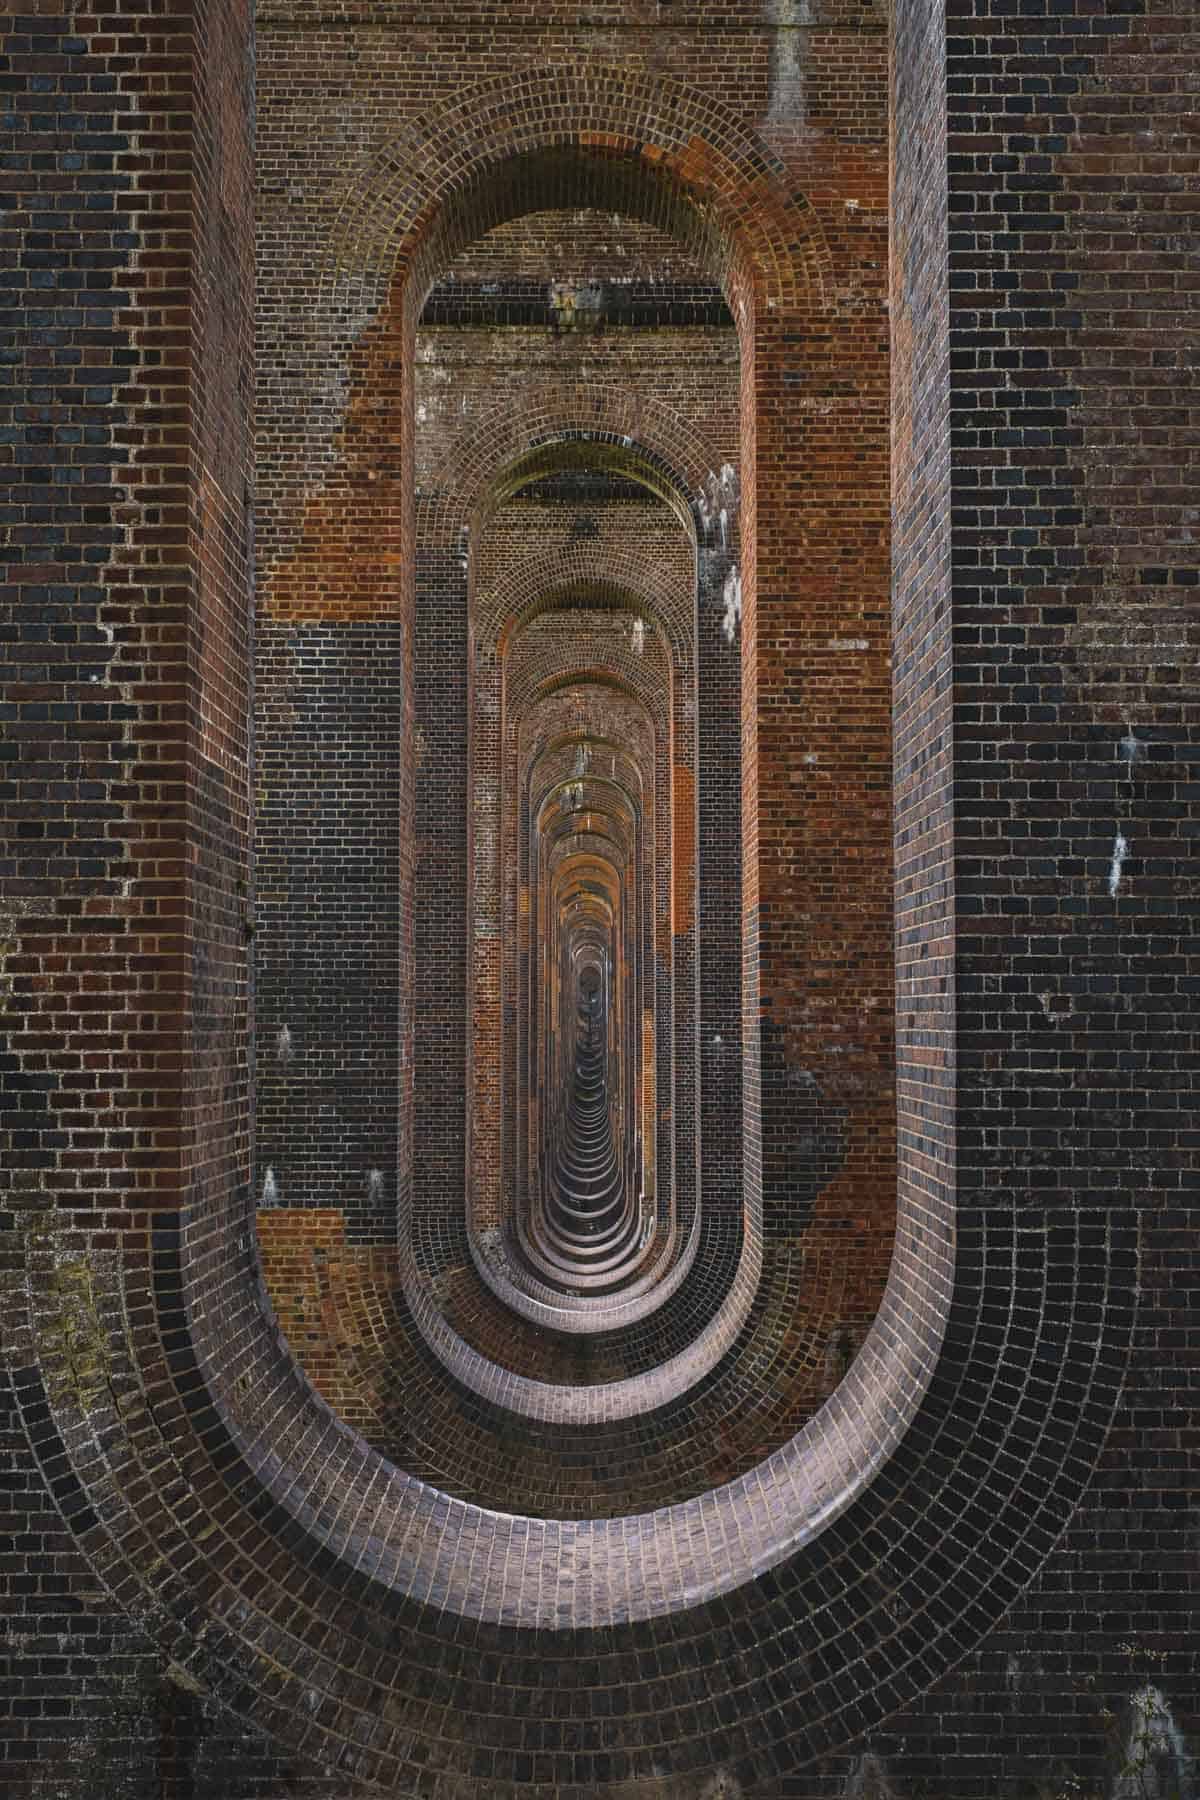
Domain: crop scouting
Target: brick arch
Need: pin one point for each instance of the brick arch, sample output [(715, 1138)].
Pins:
[(361, 1516), (628, 680), (722, 1295), (614, 591), (175, 1498), (591, 452), (345, 566), (491, 974), (591, 675), (709, 1293), (704, 1307), (541, 762), (682, 158), (640, 434), (621, 579)]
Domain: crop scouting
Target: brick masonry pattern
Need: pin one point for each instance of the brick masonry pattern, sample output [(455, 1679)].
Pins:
[(194, 1620)]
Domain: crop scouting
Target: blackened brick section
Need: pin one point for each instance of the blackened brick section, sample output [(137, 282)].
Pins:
[(127, 385), (1073, 162), (330, 715)]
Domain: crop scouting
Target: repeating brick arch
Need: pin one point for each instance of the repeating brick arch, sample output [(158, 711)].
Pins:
[(609, 426), (261, 1517), (620, 138), (618, 581), (574, 576), (494, 613), (550, 853), (680, 1347), (391, 1636), (628, 694), (507, 451)]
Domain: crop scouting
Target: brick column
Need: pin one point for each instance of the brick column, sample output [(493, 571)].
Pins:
[(816, 765)]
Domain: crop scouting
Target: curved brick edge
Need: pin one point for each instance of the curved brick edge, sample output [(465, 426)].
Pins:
[(637, 434), (708, 168), (229, 1556), (583, 1452), (643, 437)]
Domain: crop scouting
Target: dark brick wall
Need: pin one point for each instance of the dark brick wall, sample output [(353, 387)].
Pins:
[(1064, 455), (330, 726), (127, 386)]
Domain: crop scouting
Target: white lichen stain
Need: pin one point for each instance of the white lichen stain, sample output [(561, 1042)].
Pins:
[(576, 305), (1157, 1763), (639, 636), (1120, 852), (183, 1678), (718, 502), (270, 1189), (1132, 748), (283, 1044), (491, 1245), (732, 597), (11, 910), (375, 1185)]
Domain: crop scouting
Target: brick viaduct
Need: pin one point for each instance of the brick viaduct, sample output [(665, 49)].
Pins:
[(598, 943)]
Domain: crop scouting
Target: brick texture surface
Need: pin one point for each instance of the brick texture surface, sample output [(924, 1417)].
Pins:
[(625, 537)]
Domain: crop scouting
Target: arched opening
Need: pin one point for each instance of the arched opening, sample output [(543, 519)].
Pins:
[(554, 656), (377, 544), (715, 1194)]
